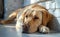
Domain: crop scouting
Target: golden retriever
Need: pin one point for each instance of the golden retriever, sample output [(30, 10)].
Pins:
[(34, 17)]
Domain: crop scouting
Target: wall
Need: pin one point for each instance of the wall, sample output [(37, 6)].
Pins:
[(11, 5)]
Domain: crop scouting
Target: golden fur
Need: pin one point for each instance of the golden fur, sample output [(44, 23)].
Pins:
[(33, 17)]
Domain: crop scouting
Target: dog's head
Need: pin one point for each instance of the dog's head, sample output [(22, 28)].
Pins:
[(32, 17)]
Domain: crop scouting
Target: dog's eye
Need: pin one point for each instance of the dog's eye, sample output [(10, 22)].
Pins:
[(36, 17), (26, 16)]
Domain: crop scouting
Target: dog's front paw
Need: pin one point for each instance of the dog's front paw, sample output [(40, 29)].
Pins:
[(44, 29)]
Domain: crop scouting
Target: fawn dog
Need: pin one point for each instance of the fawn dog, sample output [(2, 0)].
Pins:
[(32, 18)]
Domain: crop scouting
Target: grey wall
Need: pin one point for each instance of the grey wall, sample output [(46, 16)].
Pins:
[(11, 5)]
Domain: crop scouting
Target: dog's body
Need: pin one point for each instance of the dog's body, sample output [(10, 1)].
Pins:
[(33, 17)]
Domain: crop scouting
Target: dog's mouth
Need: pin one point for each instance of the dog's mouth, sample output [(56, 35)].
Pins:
[(26, 28)]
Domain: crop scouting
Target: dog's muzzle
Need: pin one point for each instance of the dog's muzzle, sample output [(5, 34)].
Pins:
[(25, 28)]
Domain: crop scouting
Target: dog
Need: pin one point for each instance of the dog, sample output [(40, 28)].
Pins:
[(34, 17)]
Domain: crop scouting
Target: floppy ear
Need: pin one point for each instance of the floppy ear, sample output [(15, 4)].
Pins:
[(46, 17)]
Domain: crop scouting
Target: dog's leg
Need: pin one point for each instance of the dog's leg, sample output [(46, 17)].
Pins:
[(19, 25), (8, 21), (43, 29)]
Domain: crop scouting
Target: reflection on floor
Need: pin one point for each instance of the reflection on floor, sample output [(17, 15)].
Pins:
[(10, 31)]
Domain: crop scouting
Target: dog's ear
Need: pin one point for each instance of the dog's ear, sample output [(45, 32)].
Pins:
[(46, 17)]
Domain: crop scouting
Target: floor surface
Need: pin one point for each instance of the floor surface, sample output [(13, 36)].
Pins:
[(10, 31)]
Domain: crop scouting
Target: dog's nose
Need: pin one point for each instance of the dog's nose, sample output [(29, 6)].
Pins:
[(25, 28)]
